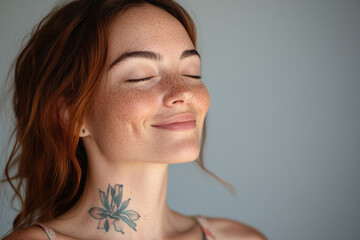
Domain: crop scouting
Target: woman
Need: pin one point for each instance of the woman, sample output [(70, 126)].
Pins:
[(107, 94)]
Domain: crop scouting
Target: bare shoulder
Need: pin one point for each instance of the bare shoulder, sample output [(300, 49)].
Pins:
[(229, 229), (30, 233)]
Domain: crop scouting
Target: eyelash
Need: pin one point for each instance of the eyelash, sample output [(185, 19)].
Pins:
[(139, 80), (193, 76), (148, 78)]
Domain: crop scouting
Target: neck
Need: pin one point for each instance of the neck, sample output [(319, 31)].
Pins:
[(146, 212)]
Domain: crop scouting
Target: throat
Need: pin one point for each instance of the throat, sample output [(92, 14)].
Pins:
[(114, 211), (127, 201)]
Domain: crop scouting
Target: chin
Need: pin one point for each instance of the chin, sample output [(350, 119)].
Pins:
[(169, 154), (183, 155)]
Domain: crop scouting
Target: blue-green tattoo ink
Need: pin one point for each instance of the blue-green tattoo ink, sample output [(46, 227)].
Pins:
[(114, 212)]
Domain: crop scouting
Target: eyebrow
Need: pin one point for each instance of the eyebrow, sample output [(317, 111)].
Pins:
[(189, 53), (150, 55)]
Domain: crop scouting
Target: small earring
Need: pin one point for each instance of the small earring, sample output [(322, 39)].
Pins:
[(83, 131)]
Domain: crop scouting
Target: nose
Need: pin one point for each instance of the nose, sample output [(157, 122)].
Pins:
[(177, 92)]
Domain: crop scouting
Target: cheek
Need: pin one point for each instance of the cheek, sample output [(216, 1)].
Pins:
[(117, 120), (121, 112), (202, 98), (130, 107)]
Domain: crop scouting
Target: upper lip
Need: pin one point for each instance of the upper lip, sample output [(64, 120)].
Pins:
[(185, 117)]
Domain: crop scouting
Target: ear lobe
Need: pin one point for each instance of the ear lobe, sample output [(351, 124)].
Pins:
[(64, 116), (84, 132)]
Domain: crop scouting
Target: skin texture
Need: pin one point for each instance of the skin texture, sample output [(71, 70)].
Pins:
[(126, 134), (124, 148)]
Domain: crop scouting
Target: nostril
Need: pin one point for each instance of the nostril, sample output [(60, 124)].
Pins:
[(178, 97), (178, 101), (177, 92)]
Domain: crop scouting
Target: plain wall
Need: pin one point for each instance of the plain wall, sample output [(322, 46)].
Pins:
[(283, 125)]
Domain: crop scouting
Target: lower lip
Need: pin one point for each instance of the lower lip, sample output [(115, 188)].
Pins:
[(178, 126)]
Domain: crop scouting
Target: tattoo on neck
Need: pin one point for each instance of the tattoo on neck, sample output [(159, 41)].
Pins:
[(114, 212)]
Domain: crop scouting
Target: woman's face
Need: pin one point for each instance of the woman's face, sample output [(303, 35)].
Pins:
[(150, 77)]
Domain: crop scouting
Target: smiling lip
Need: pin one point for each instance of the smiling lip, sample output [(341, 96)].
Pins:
[(179, 122)]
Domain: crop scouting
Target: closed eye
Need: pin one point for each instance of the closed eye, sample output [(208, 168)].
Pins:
[(139, 79), (193, 76)]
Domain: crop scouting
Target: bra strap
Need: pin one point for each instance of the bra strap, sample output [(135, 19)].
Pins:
[(49, 232), (205, 226)]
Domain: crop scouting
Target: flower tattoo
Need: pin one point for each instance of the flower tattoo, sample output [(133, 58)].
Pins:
[(114, 212)]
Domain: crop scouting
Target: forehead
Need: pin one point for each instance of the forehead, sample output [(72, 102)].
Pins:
[(147, 27)]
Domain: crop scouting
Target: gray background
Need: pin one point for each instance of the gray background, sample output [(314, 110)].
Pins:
[(283, 125)]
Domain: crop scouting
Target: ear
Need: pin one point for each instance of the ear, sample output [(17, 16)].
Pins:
[(84, 131), (64, 116)]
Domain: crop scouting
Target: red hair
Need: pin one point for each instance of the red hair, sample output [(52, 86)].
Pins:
[(59, 68)]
